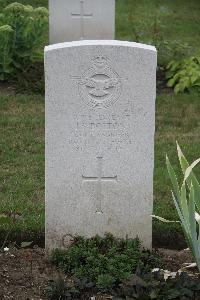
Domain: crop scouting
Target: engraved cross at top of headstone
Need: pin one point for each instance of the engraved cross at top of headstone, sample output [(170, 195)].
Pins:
[(82, 15), (99, 180)]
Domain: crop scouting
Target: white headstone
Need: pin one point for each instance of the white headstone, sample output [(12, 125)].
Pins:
[(100, 107), (71, 20)]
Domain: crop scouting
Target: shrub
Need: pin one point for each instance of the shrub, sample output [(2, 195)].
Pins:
[(184, 75), (105, 261), (22, 38), (6, 38)]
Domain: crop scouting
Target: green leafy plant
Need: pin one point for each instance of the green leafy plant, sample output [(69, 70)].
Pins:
[(60, 289), (22, 38), (154, 286), (142, 286), (184, 74), (6, 37), (105, 261), (187, 202), (64, 288), (98, 259)]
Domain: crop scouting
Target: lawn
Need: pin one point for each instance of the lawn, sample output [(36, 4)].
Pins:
[(22, 164), (177, 118)]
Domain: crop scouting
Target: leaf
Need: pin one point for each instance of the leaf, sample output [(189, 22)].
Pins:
[(173, 178), (189, 176), (189, 266), (184, 224), (171, 82), (163, 219), (26, 244), (154, 294), (197, 217), (136, 280), (184, 204), (192, 220), (189, 169), (4, 219), (2, 216), (177, 89), (194, 78), (170, 64)]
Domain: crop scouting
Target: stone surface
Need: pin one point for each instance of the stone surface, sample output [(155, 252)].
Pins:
[(100, 107), (71, 20)]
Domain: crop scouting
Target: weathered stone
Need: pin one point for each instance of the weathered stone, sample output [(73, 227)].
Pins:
[(71, 20), (100, 107)]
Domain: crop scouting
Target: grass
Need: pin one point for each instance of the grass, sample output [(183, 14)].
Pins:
[(22, 164), (175, 21), (165, 24), (177, 118)]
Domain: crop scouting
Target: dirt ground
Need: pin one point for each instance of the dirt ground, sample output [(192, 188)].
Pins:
[(24, 273)]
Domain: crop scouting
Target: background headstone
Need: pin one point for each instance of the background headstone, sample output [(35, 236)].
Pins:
[(100, 109), (71, 20)]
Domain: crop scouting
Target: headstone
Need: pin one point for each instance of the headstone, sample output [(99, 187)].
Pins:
[(71, 20), (100, 108)]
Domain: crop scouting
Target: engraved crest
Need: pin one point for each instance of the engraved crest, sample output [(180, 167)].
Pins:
[(99, 86)]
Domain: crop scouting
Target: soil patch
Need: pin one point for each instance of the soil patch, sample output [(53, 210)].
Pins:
[(174, 259), (24, 273), (7, 88), (161, 82), (170, 240)]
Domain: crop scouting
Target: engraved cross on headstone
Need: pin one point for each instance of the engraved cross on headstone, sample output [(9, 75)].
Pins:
[(99, 179), (82, 15)]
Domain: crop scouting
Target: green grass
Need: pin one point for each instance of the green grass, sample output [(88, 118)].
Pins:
[(22, 164), (179, 19), (177, 118), (172, 26)]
